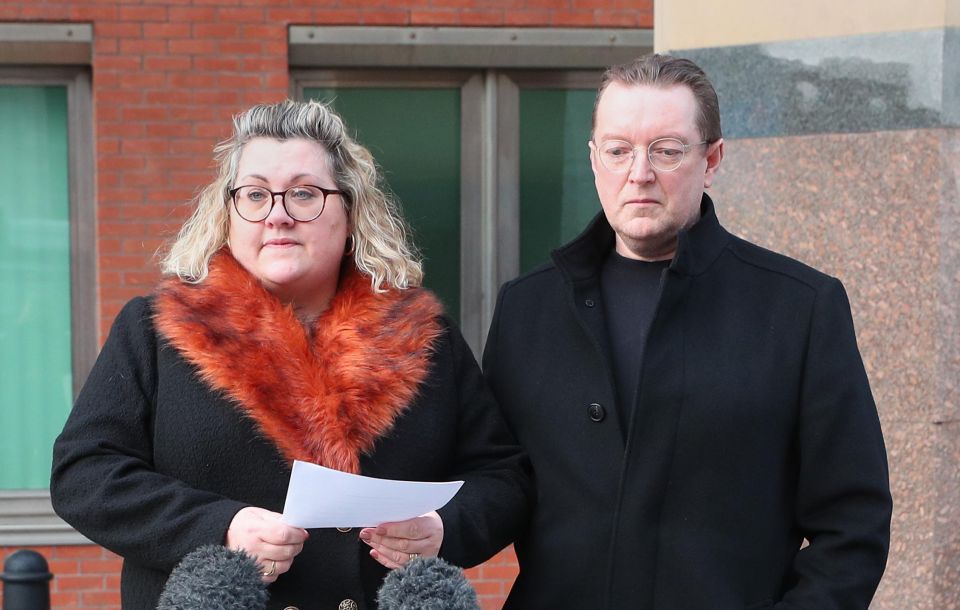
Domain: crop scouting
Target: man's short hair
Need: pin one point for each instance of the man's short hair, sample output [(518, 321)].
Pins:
[(665, 71)]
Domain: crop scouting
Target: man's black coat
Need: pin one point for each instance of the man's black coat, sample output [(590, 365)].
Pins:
[(753, 429)]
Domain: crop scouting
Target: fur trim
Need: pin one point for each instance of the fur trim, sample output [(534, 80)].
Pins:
[(324, 400)]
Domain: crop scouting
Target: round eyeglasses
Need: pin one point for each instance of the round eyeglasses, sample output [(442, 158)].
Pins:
[(302, 203), (665, 154)]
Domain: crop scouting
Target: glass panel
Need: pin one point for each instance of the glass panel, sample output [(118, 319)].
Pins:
[(414, 134), (557, 195), (35, 357)]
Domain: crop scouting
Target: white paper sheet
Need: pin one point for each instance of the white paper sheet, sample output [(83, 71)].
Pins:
[(321, 497)]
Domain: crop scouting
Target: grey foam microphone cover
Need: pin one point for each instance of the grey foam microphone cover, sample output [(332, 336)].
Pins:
[(214, 577), (427, 583)]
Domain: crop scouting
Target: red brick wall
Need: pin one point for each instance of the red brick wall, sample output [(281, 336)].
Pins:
[(167, 76)]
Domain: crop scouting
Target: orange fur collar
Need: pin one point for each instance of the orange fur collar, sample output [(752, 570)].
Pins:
[(324, 399)]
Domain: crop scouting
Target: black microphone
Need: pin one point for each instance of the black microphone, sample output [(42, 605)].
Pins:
[(214, 577), (427, 583)]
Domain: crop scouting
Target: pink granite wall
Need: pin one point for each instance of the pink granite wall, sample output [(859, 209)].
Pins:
[(880, 211)]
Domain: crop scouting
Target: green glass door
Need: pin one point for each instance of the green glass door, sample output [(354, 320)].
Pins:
[(414, 134), (35, 334), (557, 194)]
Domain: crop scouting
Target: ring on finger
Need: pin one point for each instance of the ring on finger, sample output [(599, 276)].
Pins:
[(272, 570), (414, 556)]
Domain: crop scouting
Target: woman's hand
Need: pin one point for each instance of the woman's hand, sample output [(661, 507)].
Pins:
[(395, 544), (271, 542)]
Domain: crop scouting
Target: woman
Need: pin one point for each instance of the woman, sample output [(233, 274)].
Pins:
[(289, 326)]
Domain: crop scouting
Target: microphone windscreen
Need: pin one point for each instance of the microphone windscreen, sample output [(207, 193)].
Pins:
[(214, 577), (427, 583)]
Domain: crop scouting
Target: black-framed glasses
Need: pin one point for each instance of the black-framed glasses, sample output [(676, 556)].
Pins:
[(303, 202), (665, 154)]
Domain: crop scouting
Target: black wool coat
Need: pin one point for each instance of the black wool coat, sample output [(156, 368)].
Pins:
[(153, 463), (753, 429)]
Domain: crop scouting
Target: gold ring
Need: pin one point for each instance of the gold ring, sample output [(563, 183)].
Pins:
[(414, 556), (273, 569)]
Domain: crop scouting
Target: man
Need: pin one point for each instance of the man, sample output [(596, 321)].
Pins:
[(695, 407)]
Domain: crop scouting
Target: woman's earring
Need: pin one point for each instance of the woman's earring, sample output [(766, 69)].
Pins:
[(349, 250)]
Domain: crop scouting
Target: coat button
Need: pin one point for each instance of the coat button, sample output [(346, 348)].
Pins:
[(596, 412), (589, 303), (344, 530), (348, 604), (291, 608)]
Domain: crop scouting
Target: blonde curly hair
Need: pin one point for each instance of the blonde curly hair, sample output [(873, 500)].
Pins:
[(381, 247)]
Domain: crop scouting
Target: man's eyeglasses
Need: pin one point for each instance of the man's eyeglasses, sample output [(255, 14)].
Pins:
[(665, 154), (303, 203)]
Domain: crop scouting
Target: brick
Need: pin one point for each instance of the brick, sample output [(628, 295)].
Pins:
[(108, 246), (215, 30), (276, 47), (168, 162), (120, 129), (118, 96), (166, 30), (192, 46), (105, 46), (171, 130), (63, 566), (192, 80), (143, 13), (527, 18), (142, 179), (123, 63), (500, 572), (488, 587), (455, 4), (261, 32), (217, 2), (216, 64), (102, 12), (408, 4), (175, 196), (69, 582), (241, 15), (192, 14), (106, 145), (141, 246), (284, 16), (167, 63), (607, 4), (241, 47), (140, 46), (199, 147), (100, 566), (118, 29), (262, 64), (624, 19), (573, 18), (64, 600), (79, 552), (330, 16), (144, 145), (385, 17), (144, 113), (435, 17), (316, 3), (488, 18), (144, 80)]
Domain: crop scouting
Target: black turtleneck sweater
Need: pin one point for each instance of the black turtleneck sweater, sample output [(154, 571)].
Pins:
[(630, 289)]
